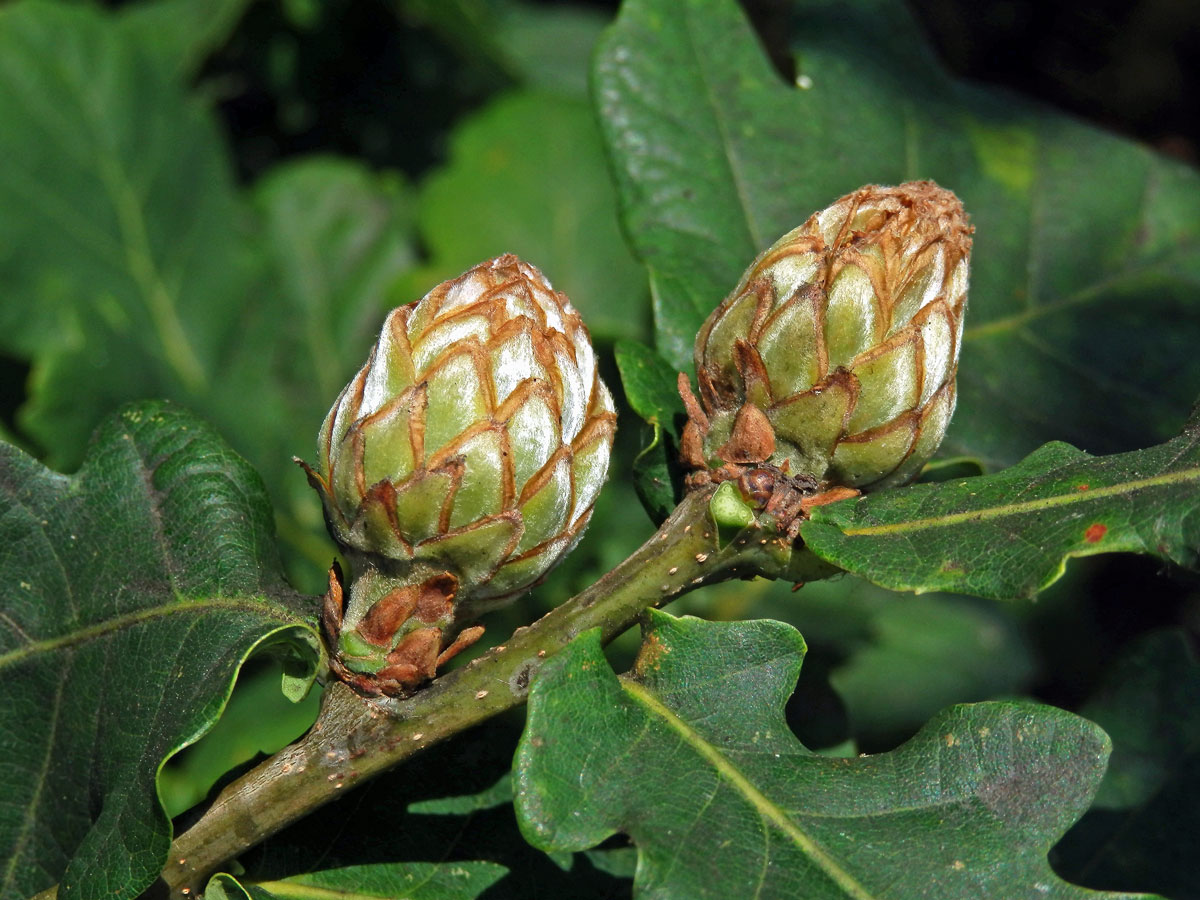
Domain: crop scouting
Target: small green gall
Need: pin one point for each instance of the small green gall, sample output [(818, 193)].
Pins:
[(728, 509)]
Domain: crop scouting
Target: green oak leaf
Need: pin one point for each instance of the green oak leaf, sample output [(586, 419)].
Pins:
[(224, 886), (1142, 828), (647, 379), (691, 756), (534, 45), (879, 664), (1082, 316), (657, 476), (385, 881), (527, 175), (923, 653), (182, 32), (131, 266), (119, 217), (130, 595), (499, 794), (1010, 534)]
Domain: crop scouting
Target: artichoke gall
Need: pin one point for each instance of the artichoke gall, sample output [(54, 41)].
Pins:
[(834, 359), (458, 466)]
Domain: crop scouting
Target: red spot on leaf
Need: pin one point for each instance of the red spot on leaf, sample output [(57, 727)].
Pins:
[(1082, 487), (1095, 532)]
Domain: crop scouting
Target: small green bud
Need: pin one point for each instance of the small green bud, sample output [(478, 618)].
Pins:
[(729, 511), (472, 445), (834, 359)]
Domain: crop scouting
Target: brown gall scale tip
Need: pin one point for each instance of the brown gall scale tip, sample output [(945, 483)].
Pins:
[(457, 468), (831, 366)]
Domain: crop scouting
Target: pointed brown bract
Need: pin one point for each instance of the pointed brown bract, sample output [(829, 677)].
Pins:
[(398, 679), (749, 365), (691, 404), (691, 446), (435, 600), (315, 481), (383, 620), (415, 658), (752, 439), (465, 639), (833, 495), (332, 606)]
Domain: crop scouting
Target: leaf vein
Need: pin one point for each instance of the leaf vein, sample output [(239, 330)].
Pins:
[(730, 156), (178, 606), (1012, 509), (765, 807)]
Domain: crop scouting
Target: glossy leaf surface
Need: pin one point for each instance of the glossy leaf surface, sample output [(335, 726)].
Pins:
[(691, 756), (1010, 534), (132, 592), (1082, 238)]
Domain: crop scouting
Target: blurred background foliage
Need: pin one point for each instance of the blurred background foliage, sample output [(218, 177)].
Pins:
[(317, 162)]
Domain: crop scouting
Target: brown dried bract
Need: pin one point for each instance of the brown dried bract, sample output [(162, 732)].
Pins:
[(768, 488), (333, 606), (418, 655), (752, 439)]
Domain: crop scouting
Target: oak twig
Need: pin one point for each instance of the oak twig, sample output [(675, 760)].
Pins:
[(355, 738)]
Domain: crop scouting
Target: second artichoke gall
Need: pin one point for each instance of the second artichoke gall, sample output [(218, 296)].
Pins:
[(833, 361)]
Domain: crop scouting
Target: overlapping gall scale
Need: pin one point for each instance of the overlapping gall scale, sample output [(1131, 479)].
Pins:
[(476, 437), (835, 356)]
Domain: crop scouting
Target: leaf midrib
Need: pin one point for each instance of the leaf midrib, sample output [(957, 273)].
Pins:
[(753, 232), (139, 262), (159, 300), (1014, 509), (740, 783), (1088, 293), (178, 606)]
